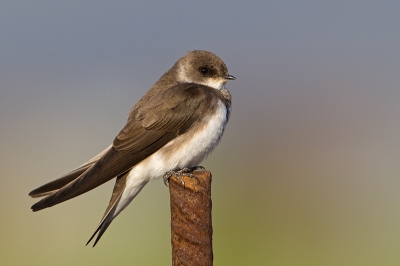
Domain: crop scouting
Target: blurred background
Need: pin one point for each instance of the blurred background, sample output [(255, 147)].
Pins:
[(308, 170)]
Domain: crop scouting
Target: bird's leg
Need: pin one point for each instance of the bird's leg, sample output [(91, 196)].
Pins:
[(186, 171)]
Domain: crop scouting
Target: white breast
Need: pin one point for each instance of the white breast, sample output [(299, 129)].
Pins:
[(183, 151), (194, 150)]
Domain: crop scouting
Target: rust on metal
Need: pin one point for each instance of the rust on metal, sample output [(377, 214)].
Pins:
[(191, 226)]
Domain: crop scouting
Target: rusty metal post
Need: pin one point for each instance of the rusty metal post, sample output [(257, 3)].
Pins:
[(191, 226)]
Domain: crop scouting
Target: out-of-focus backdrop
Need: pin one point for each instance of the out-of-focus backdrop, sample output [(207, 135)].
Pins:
[(308, 172)]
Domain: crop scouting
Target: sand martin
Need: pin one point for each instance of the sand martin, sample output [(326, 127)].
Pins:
[(174, 126)]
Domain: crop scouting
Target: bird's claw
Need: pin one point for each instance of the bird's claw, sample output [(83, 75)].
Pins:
[(186, 171)]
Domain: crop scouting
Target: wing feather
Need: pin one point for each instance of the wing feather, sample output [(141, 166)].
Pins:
[(55, 185), (149, 128)]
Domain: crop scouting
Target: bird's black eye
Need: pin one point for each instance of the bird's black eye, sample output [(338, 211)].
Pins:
[(204, 70)]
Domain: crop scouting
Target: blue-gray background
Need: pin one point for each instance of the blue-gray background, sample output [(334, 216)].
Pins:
[(308, 172)]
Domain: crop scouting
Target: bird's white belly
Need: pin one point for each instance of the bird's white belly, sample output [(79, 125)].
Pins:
[(185, 151), (191, 152)]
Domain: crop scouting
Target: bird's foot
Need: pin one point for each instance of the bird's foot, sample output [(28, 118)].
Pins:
[(186, 171)]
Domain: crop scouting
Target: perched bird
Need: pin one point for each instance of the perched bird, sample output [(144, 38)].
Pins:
[(171, 129)]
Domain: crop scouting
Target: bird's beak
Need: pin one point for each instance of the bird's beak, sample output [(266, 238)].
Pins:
[(229, 77)]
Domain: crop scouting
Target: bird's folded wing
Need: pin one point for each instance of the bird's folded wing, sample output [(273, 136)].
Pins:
[(55, 185), (175, 111), (168, 114)]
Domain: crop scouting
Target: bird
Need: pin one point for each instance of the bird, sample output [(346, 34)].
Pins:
[(169, 131)]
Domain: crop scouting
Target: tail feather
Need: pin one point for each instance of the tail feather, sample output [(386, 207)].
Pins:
[(124, 192), (108, 216)]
